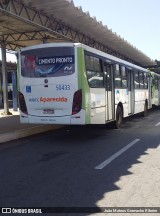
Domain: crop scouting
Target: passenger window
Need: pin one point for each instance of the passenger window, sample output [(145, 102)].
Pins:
[(141, 80), (145, 81), (124, 77), (136, 80), (94, 71), (118, 78)]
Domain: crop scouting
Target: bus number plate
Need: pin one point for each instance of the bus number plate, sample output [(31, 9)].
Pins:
[(48, 111), (62, 87)]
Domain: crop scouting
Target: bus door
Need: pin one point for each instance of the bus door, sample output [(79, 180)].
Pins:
[(108, 71), (131, 95)]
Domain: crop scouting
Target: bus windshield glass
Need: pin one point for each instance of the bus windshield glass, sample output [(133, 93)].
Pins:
[(48, 62)]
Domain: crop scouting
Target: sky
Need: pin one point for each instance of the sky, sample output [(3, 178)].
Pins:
[(137, 21), (10, 57)]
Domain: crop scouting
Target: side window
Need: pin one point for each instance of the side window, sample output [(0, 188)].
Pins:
[(118, 78), (94, 71), (145, 81), (136, 80), (124, 77), (141, 80)]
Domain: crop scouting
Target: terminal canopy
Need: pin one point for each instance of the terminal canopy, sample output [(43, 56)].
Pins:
[(29, 22)]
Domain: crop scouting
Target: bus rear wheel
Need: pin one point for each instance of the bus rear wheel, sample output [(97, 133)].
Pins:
[(119, 117), (144, 113)]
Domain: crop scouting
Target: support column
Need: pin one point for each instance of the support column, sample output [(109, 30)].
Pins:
[(45, 39), (1, 92), (5, 81), (14, 92)]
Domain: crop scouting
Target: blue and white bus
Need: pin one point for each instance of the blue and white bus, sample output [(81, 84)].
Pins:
[(73, 84)]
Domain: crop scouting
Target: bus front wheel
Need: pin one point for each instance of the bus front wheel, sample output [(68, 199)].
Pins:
[(119, 117)]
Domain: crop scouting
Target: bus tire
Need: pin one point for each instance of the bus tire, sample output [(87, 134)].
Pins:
[(144, 113), (119, 117)]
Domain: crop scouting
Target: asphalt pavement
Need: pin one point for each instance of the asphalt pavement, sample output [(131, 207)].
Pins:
[(85, 166)]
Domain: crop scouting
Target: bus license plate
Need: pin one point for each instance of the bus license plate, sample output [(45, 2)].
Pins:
[(48, 111)]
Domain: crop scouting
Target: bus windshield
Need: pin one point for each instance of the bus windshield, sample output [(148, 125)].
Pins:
[(48, 62)]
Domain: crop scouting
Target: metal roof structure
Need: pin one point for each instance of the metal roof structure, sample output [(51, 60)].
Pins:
[(28, 22)]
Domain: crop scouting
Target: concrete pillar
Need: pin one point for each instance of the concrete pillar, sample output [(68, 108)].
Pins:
[(5, 81), (1, 92), (14, 92), (45, 40)]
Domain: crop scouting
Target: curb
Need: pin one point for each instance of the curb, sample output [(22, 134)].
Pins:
[(26, 132)]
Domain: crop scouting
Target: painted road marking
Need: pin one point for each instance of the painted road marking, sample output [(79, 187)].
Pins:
[(157, 124), (110, 159)]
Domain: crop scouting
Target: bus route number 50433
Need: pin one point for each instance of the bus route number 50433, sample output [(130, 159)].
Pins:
[(62, 87)]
